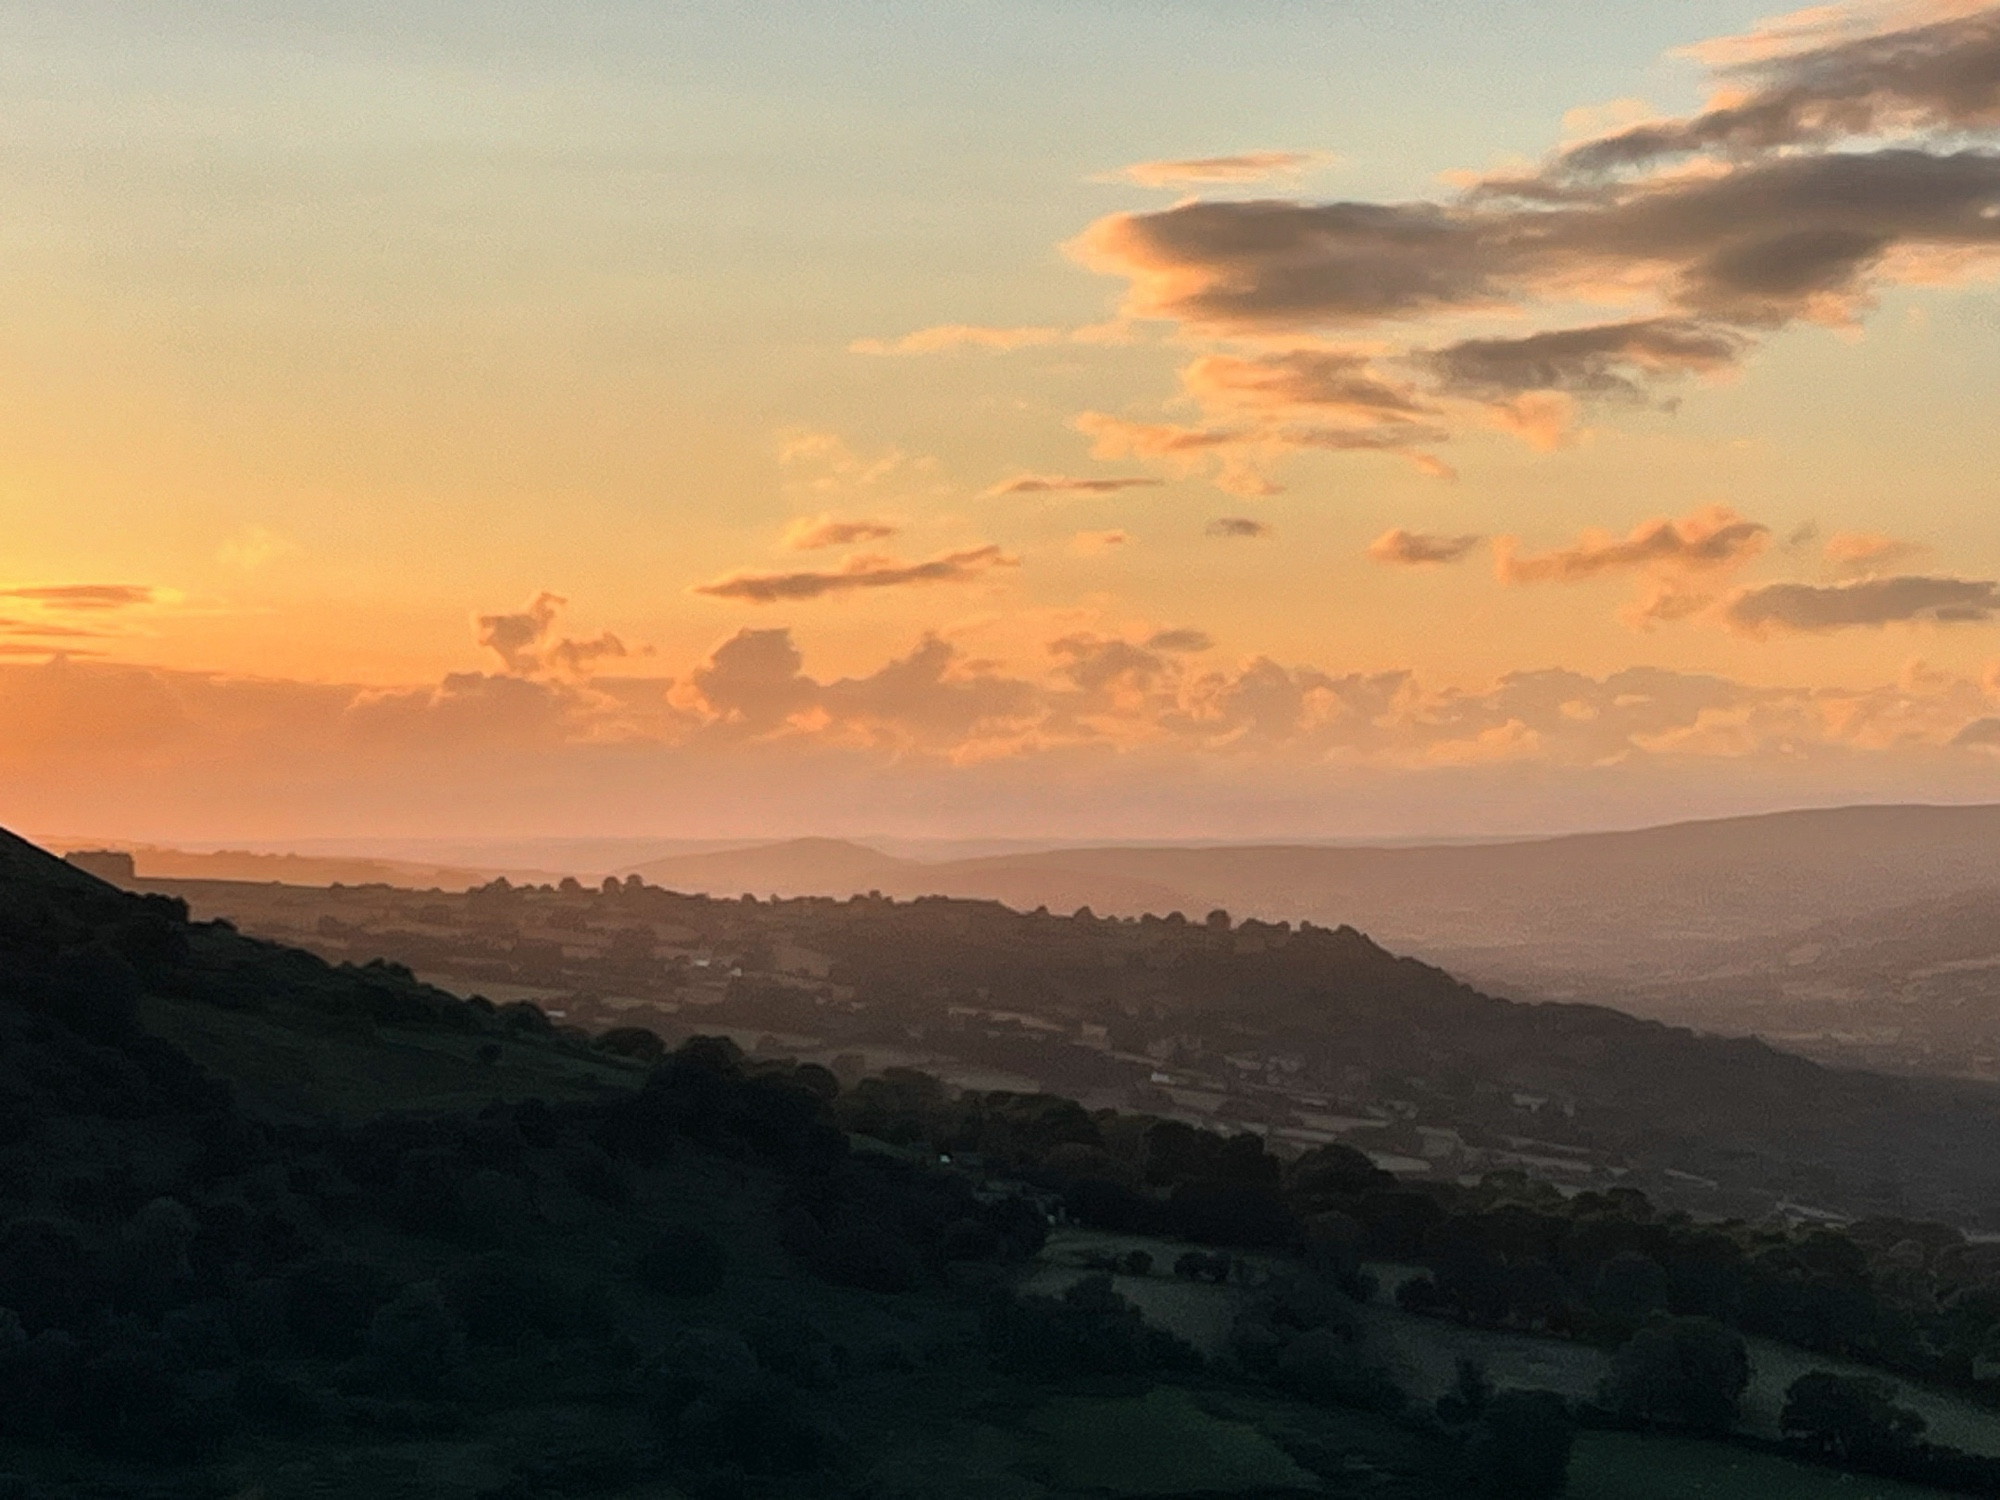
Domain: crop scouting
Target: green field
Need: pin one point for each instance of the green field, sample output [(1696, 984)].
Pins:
[(1626, 1466)]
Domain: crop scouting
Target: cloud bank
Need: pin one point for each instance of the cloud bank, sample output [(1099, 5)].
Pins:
[(1146, 735)]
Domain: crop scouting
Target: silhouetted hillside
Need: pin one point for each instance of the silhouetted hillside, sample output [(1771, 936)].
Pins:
[(1309, 1033)]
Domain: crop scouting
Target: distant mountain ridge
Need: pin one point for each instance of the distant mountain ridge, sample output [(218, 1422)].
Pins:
[(1715, 881)]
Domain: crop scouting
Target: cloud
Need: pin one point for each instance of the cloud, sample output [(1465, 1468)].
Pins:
[(1805, 607), (1103, 736), (1247, 166), (1323, 381), (951, 337), (1064, 484), (1866, 552), (580, 656), (255, 547), (1095, 543), (1708, 539), (1757, 246), (42, 629), (1411, 548), (1181, 641), (1840, 157), (1826, 75), (858, 573), (1237, 526), (522, 641), (1605, 359), (516, 638), (1239, 455), (84, 596), (810, 533)]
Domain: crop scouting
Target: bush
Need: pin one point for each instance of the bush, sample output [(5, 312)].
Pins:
[(415, 1341), (1849, 1420), (1520, 1449), (330, 1305), (1089, 1330), (1681, 1372), (683, 1261), (47, 1273)]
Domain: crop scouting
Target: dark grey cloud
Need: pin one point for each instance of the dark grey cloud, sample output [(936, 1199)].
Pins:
[(1756, 246), (1064, 484), (1980, 734), (1809, 607), (858, 573), (1942, 75), (1237, 526), (1605, 359), (1181, 641), (1415, 549)]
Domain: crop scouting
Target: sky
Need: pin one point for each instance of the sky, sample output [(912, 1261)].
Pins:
[(1098, 419)]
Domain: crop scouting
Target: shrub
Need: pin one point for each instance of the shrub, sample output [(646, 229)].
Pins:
[(683, 1261), (330, 1305), (1520, 1449), (1849, 1419), (1682, 1372), (415, 1341)]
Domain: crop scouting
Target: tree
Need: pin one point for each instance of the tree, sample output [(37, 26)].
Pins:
[(1681, 1372), (1520, 1450), (1849, 1419)]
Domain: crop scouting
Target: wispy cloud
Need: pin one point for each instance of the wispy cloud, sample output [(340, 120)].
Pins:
[(858, 574), (1237, 526), (811, 533), (1813, 608), (1066, 484), (1096, 543), (955, 336), (1418, 549), (1243, 166), (1864, 553), (84, 596), (1713, 538)]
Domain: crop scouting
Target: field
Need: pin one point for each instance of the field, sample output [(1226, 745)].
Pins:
[(1625, 1466)]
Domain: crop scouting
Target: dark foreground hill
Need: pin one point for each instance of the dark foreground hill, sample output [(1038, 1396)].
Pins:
[(593, 1276), (379, 1241)]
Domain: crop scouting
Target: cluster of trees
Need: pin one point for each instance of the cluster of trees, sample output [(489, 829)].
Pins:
[(1909, 1296)]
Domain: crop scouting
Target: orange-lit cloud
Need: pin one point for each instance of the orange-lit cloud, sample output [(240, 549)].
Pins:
[(83, 596), (858, 573), (1246, 166), (1867, 552), (954, 336), (1713, 538), (522, 640), (1095, 543), (811, 533), (1411, 548), (749, 741)]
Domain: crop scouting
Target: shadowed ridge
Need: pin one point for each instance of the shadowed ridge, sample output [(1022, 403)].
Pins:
[(23, 862)]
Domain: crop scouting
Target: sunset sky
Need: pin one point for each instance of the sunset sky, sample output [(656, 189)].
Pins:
[(1105, 418)]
